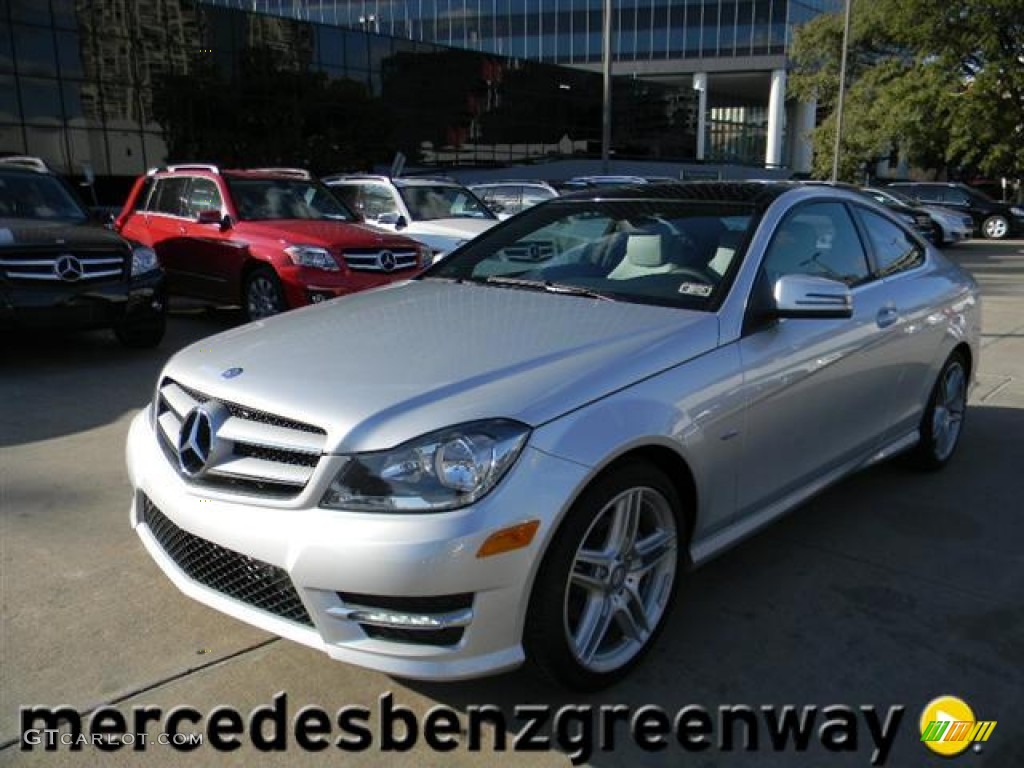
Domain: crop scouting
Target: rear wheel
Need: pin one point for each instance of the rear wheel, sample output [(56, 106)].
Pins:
[(263, 294), (995, 227), (608, 580), (943, 419)]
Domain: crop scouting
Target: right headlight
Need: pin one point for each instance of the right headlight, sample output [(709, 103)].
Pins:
[(436, 472)]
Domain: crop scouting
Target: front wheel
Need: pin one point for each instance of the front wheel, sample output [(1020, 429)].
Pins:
[(608, 580), (264, 295), (943, 418), (996, 227)]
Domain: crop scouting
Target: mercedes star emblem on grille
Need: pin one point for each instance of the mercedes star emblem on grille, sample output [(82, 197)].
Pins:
[(68, 268), (386, 259), (194, 442), (198, 446)]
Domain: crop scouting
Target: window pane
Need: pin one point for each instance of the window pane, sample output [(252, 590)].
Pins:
[(169, 197), (40, 100), (9, 109), (895, 249), (34, 51), (818, 240)]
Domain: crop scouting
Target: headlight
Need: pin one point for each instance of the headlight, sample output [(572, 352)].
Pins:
[(312, 256), (424, 256), (143, 260), (440, 471), (1017, 211)]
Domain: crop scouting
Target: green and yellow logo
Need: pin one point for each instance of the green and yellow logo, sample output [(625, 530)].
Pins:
[(948, 726)]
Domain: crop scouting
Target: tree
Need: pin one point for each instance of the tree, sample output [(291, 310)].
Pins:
[(945, 81)]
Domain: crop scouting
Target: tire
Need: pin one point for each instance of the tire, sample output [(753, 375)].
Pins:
[(591, 619), (142, 334), (995, 227), (263, 296), (943, 420)]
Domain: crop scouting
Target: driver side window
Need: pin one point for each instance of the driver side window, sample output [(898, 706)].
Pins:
[(820, 240)]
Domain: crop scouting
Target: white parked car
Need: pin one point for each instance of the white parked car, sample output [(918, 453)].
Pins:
[(507, 198), (440, 213)]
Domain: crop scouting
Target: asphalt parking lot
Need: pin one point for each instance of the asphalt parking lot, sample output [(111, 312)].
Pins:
[(888, 590)]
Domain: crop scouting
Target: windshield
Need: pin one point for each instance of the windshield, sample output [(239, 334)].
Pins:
[(674, 253), (442, 201), (891, 194), (270, 199), (39, 197)]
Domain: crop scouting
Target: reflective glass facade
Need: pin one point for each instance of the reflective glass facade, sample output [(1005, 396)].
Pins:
[(119, 86), (569, 31)]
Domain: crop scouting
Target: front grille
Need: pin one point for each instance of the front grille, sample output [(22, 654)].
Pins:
[(252, 451), (529, 250), (63, 266), (380, 259), (243, 578)]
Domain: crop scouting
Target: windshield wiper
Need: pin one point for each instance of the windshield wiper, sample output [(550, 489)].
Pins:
[(548, 286)]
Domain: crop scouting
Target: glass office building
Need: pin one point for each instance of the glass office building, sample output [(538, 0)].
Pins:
[(117, 86), (732, 52)]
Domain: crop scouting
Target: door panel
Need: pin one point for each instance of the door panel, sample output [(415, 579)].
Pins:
[(817, 389)]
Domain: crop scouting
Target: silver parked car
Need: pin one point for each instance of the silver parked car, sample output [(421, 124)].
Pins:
[(518, 455)]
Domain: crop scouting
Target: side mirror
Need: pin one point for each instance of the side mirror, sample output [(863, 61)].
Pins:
[(212, 216), (390, 219), (807, 296), (209, 216)]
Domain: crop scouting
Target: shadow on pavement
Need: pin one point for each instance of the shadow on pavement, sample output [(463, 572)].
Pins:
[(85, 380), (890, 589)]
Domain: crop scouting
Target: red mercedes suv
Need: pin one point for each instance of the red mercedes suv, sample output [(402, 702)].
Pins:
[(269, 238)]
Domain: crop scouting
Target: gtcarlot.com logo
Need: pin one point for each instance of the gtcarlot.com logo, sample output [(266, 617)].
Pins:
[(948, 726)]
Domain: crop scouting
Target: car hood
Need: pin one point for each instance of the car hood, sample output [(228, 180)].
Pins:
[(321, 232), (380, 367), (15, 233), (459, 229)]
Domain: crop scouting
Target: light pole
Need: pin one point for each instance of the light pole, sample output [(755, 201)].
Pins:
[(842, 91), (606, 104)]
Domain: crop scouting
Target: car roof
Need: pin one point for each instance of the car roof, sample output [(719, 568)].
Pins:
[(760, 193), (274, 172), (398, 181)]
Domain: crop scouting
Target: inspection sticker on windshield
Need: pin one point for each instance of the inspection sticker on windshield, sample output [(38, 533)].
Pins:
[(695, 289)]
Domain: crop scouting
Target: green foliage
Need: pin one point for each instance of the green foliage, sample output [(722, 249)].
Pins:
[(943, 80)]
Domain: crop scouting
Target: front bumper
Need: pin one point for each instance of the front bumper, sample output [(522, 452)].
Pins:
[(327, 571), (304, 286), (82, 307)]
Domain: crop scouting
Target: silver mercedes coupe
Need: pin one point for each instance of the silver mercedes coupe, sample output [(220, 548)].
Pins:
[(518, 455)]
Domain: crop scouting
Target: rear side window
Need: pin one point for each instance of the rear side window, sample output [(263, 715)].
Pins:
[(169, 196), (895, 249)]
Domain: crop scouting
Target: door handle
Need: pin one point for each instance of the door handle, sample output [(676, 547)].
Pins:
[(887, 316)]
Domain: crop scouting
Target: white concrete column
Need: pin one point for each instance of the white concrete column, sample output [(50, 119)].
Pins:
[(802, 155), (700, 85), (776, 118)]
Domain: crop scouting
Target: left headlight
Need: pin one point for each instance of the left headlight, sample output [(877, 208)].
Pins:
[(1016, 211), (143, 260), (312, 256), (439, 471)]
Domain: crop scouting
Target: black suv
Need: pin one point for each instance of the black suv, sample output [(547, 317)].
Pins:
[(61, 269), (993, 219)]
